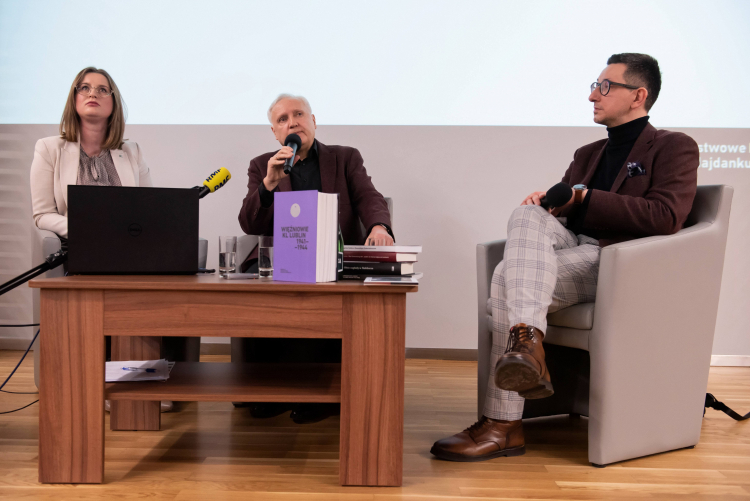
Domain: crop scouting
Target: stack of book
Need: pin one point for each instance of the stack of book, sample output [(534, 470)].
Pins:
[(362, 261)]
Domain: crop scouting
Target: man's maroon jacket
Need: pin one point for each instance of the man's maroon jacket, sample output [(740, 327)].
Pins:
[(656, 202), (342, 171)]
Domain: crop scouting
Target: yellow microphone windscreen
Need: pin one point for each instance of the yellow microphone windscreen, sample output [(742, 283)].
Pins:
[(217, 179)]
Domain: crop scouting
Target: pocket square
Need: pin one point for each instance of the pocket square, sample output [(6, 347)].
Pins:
[(635, 169)]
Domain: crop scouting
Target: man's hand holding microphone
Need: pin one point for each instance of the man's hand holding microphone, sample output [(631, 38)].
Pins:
[(280, 165), (558, 200)]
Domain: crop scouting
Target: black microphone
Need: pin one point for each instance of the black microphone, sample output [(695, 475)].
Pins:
[(557, 196), (295, 142)]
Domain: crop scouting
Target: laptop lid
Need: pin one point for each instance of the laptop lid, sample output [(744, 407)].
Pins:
[(128, 230)]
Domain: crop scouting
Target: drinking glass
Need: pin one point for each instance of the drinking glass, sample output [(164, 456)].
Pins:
[(227, 252), (265, 256)]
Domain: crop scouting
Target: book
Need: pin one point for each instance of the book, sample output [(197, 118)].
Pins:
[(354, 267), (379, 257), (399, 249), (391, 281), (361, 277), (305, 230)]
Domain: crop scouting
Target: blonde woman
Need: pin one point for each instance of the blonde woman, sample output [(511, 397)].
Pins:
[(90, 150)]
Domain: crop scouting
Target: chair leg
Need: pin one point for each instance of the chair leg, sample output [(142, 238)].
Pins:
[(598, 465)]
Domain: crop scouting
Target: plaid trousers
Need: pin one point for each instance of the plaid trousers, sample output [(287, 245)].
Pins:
[(546, 268)]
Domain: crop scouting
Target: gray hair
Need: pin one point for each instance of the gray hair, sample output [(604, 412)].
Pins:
[(287, 96)]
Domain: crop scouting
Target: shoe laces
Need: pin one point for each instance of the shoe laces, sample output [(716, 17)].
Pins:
[(521, 336), (478, 425)]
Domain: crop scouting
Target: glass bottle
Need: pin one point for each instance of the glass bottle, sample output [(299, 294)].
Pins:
[(340, 256)]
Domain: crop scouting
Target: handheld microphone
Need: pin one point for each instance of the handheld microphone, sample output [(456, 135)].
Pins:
[(295, 142), (214, 181), (557, 196)]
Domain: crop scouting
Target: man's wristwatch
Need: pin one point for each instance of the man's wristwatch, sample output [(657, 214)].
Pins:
[(578, 193)]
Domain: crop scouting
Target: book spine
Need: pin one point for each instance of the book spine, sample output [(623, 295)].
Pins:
[(379, 257), (373, 268), (355, 276), (400, 249)]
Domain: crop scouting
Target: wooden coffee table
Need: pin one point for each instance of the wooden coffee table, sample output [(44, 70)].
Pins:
[(78, 312)]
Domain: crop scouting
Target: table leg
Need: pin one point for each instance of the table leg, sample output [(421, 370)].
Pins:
[(139, 415), (71, 393), (372, 390)]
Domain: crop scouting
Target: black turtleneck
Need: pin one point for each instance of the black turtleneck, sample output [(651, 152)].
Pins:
[(618, 147)]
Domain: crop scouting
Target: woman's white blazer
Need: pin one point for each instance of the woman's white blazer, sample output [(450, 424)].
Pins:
[(55, 167)]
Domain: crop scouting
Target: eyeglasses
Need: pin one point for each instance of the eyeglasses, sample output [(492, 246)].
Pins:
[(607, 84), (87, 90)]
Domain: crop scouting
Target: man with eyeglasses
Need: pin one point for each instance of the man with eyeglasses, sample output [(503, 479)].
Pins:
[(638, 182)]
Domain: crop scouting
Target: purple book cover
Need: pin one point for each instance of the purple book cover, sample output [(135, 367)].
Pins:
[(295, 235)]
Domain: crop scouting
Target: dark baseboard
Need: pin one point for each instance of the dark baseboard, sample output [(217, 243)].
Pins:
[(419, 353), (442, 354)]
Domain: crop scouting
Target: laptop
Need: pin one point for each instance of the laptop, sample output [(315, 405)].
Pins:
[(115, 230)]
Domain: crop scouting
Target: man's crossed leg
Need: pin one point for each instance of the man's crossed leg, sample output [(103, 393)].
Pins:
[(545, 268)]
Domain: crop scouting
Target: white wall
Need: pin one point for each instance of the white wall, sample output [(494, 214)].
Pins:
[(453, 187), (385, 62)]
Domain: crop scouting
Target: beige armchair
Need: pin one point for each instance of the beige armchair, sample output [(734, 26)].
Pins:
[(636, 361)]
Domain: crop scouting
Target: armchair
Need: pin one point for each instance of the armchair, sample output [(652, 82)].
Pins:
[(636, 361)]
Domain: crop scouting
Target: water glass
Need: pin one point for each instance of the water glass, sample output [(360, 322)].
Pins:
[(265, 256), (227, 252)]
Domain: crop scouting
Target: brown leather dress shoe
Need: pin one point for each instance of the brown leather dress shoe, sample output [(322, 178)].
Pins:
[(485, 439), (522, 368)]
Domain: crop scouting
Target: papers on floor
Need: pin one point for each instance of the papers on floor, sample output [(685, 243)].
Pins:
[(137, 370)]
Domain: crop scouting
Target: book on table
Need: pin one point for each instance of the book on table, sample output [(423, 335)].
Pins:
[(379, 257), (382, 253), (305, 230), (373, 268), (401, 249), (364, 261), (391, 281)]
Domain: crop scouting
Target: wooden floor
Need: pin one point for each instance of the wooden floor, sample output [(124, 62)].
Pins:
[(210, 451)]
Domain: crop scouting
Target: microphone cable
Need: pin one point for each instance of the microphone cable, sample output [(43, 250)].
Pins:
[(52, 261), (14, 371), (32, 343)]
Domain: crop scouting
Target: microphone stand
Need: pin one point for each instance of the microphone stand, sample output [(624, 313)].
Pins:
[(50, 262)]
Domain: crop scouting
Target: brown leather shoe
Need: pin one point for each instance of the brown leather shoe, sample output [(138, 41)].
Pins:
[(522, 368), (485, 439)]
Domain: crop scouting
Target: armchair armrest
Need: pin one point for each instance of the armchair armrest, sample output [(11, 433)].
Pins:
[(202, 252), (489, 255), (650, 345), (45, 243)]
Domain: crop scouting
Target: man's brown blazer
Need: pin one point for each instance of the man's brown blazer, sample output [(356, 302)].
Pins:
[(342, 171), (656, 202)]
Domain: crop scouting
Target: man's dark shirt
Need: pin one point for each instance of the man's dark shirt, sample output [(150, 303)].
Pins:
[(621, 141), (304, 176)]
